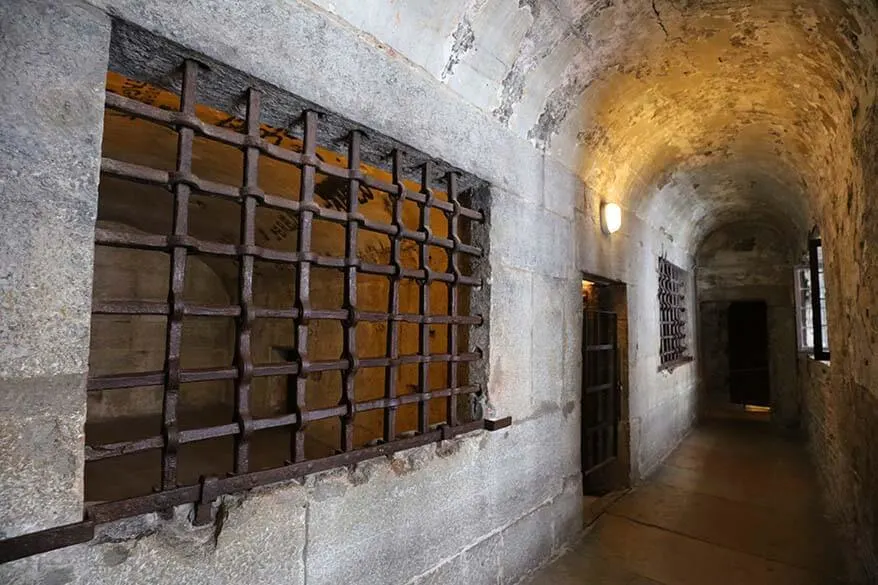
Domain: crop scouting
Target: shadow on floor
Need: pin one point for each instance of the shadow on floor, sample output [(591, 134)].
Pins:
[(735, 504)]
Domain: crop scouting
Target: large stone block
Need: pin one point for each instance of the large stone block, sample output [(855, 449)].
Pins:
[(524, 235), (548, 448), (374, 525), (43, 454), (563, 191), (547, 353), (402, 27), (527, 545), (477, 565), (572, 350), (511, 362), (456, 493), (52, 73)]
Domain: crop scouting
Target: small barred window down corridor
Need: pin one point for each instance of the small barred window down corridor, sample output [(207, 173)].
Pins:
[(470, 292)]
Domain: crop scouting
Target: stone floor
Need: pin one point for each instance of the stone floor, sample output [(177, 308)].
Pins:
[(734, 505)]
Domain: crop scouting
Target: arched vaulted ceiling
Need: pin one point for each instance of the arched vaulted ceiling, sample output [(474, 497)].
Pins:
[(692, 113)]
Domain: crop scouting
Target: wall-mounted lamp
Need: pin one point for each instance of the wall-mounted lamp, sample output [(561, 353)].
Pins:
[(611, 218)]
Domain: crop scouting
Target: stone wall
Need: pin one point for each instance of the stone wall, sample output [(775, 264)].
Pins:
[(841, 396), (843, 435), (748, 262), (485, 508)]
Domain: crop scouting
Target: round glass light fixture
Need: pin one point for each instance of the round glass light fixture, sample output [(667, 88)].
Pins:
[(611, 218)]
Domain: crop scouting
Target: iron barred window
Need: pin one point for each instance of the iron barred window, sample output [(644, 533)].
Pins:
[(266, 304), (672, 313), (804, 309), (819, 327)]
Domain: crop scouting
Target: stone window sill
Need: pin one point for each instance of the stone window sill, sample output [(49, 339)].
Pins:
[(671, 366)]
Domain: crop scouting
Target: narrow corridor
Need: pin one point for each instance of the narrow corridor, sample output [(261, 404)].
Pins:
[(735, 504)]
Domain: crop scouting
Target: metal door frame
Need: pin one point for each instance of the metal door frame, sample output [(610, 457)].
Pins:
[(600, 441)]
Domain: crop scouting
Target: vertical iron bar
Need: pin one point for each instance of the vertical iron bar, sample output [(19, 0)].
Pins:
[(390, 374), (816, 310), (352, 263), (243, 356), (616, 386), (600, 395), (303, 281), (424, 265), (176, 302), (453, 300)]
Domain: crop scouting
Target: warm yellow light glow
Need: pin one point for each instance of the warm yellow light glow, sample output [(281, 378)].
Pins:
[(611, 217)]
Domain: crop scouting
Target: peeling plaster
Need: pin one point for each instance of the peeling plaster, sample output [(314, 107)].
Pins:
[(464, 39)]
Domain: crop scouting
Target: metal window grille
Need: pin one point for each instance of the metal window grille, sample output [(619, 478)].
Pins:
[(804, 312), (182, 246), (820, 328), (437, 196), (672, 312)]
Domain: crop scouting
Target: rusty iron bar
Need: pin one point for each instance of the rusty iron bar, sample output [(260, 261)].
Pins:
[(182, 190), (390, 373), (243, 357), (424, 296), (303, 281), (352, 263), (453, 294)]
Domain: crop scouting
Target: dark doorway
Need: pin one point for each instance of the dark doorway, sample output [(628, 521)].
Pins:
[(749, 380), (604, 407), (600, 390)]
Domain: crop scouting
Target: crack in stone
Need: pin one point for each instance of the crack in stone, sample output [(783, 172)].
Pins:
[(658, 17)]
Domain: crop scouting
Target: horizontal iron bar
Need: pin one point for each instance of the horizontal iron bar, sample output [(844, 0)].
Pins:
[(156, 243), (111, 450), (185, 120), (162, 308), (26, 545), (600, 427), (600, 465), (598, 388), (133, 380), (35, 543), (602, 347)]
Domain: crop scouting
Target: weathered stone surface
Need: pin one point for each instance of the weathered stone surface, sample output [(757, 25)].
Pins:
[(261, 540), (511, 370), (525, 235), (571, 310), (43, 453), (547, 344), (524, 545), (477, 565), (842, 433), (347, 72), (52, 71), (563, 191), (479, 471)]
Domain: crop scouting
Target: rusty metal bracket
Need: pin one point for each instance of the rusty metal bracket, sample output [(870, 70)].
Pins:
[(204, 505), (497, 424)]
